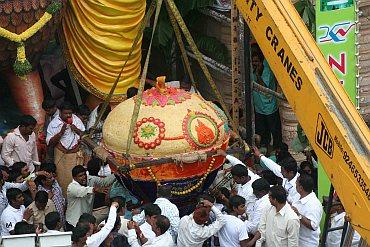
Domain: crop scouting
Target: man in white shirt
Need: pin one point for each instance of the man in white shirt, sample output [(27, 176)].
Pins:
[(97, 238), (63, 134), (234, 233), (168, 209), (151, 212), (334, 238), (4, 186), (51, 111), (287, 170), (80, 193), (279, 225), (309, 211), (261, 190), (14, 212), (193, 231), (98, 135), (20, 145), (160, 227)]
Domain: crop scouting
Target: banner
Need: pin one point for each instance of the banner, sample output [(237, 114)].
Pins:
[(335, 35)]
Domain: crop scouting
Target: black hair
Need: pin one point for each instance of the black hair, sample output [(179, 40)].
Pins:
[(79, 232), (257, 52), (121, 202), (93, 166), (13, 175), (131, 92), (83, 110), (236, 201), (5, 169), (162, 223), (271, 177), (152, 209), (261, 184), (225, 191), (66, 106), (87, 218), (164, 191), (12, 193), (51, 220), (48, 103), (48, 167), (289, 164), (278, 193), (207, 197), (306, 182), (306, 163), (41, 197), (27, 120), (18, 166), (239, 170), (77, 170), (23, 228)]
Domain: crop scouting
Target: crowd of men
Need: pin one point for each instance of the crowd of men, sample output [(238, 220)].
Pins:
[(70, 190)]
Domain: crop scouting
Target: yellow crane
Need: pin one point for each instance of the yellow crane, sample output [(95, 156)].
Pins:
[(332, 124)]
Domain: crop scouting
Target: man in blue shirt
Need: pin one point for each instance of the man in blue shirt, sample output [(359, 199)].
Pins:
[(267, 117)]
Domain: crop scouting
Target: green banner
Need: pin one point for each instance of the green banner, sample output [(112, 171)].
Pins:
[(335, 35)]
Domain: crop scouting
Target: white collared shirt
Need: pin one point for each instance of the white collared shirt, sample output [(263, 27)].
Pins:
[(193, 235), (169, 210), (97, 238), (290, 186), (334, 237), (69, 139), (232, 232), (311, 208), (164, 240), (259, 208), (147, 231), (9, 218), (246, 189), (15, 148), (279, 228)]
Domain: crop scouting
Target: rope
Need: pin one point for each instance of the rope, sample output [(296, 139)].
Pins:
[(135, 113), (204, 68), (146, 20)]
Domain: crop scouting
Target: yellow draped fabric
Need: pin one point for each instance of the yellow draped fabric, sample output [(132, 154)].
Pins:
[(98, 35)]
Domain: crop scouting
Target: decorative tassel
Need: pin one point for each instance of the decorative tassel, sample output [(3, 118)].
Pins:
[(21, 65)]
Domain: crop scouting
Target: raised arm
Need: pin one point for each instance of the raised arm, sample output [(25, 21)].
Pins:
[(271, 165)]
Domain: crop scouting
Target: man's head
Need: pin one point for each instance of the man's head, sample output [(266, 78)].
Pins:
[(257, 57), (15, 197), (41, 200), (88, 220), (277, 195), (151, 210), (27, 125), (122, 204), (260, 187), (201, 213), (79, 175), (49, 106), (306, 167), (50, 168), (108, 109), (22, 168), (289, 168), (304, 184), (94, 165), (160, 225), (79, 235), (23, 228), (131, 92), (240, 174), (15, 177), (164, 191), (83, 112), (237, 204), (52, 221), (66, 111), (5, 173)]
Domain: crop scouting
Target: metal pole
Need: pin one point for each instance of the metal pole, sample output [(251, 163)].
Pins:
[(249, 117), (327, 216)]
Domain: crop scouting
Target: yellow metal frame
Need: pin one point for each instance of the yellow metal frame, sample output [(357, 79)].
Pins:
[(335, 129)]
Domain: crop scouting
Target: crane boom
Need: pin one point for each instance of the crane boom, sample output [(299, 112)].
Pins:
[(330, 121)]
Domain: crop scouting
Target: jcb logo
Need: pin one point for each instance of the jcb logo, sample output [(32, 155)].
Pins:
[(323, 138)]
